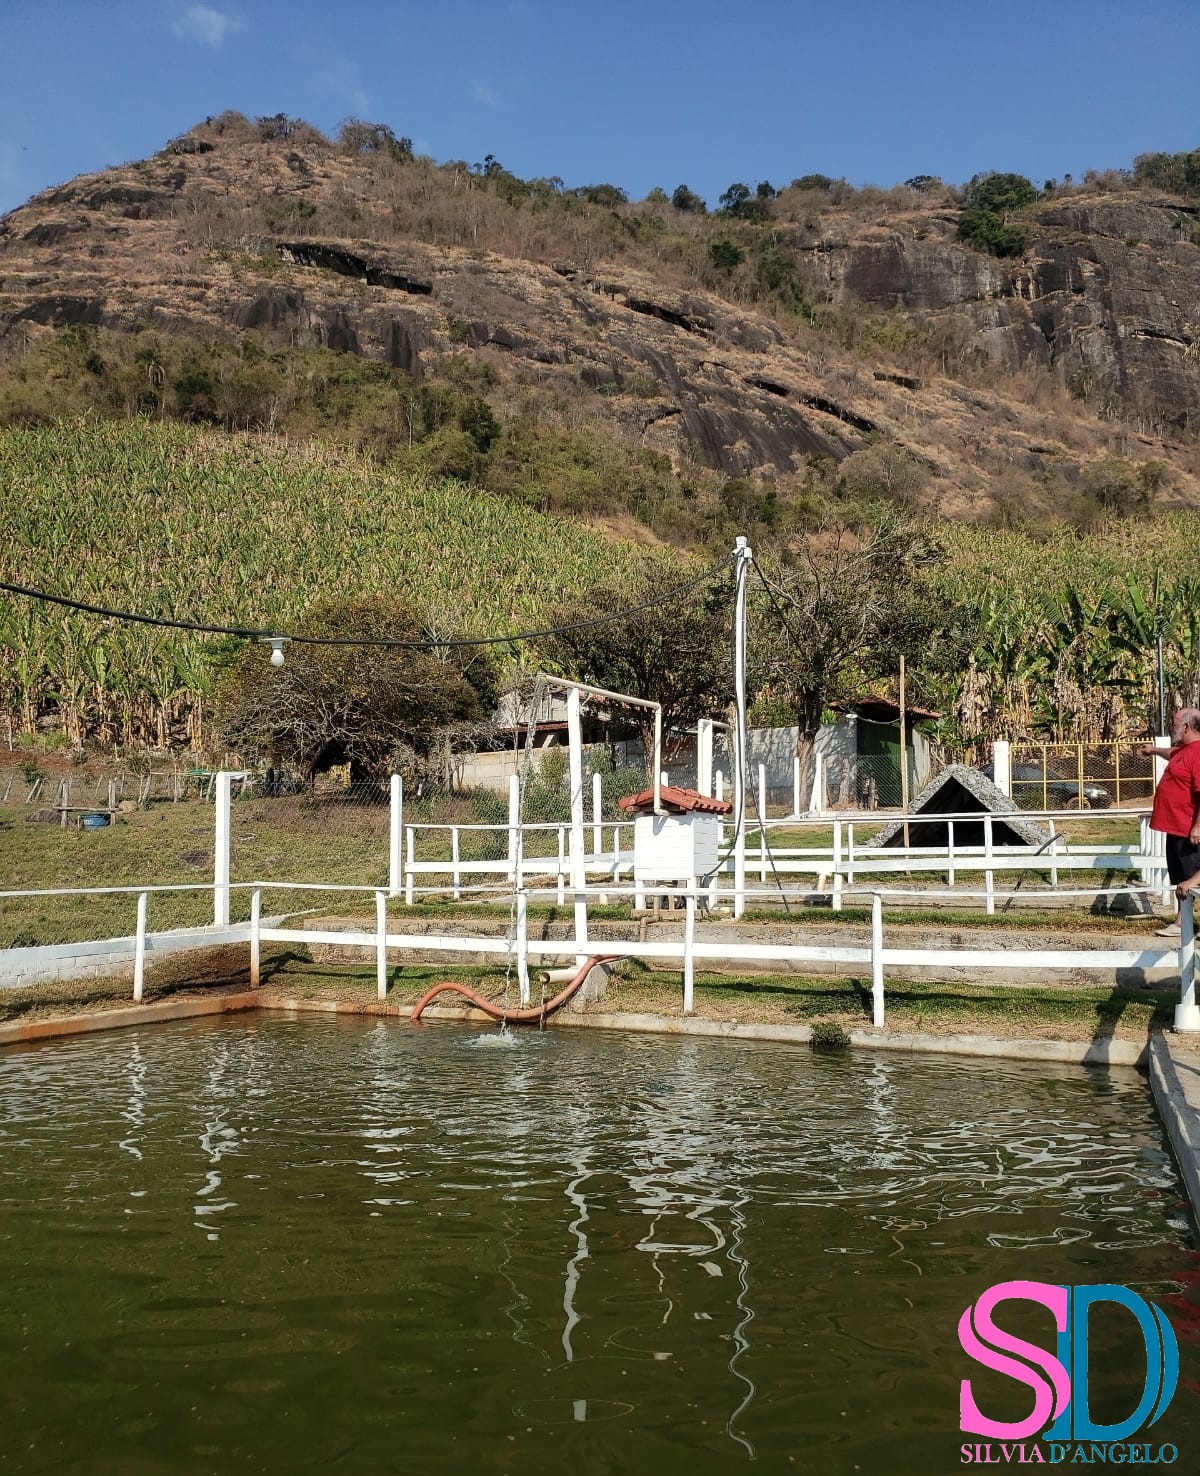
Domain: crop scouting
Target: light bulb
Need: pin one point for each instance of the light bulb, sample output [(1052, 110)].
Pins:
[(276, 651)]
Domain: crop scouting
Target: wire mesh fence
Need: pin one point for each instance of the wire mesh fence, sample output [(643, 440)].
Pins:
[(1081, 776)]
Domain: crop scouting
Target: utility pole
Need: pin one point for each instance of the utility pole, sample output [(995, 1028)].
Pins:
[(744, 555)]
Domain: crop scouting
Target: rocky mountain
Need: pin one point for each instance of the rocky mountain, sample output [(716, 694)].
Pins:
[(986, 381)]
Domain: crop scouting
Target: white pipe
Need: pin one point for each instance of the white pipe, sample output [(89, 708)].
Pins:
[(689, 944), (597, 816), (522, 947), (877, 961), (255, 938), (704, 756), (221, 849), (454, 867), (139, 948), (381, 944), (578, 866), (989, 876), (412, 859)]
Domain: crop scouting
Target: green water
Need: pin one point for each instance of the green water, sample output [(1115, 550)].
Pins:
[(273, 1245)]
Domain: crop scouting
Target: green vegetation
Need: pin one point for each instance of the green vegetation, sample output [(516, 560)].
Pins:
[(989, 202), (177, 521)]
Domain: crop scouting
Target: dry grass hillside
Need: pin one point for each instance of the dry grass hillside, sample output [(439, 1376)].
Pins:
[(810, 346)]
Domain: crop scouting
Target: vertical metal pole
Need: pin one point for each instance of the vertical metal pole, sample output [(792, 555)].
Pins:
[(578, 859), (381, 977), (396, 836), (877, 961), (740, 756), (139, 948), (850, 853), (409, 877), (255, 938), (221, 848), (1187, 1013), (988, 875), (1162, 691), (689, 941), (514, 829), (762, 824)]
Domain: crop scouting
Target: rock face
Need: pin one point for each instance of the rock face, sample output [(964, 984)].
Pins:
[(1106, 301), (1108, 293)]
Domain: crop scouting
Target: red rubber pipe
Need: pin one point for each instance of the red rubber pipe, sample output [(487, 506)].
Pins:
[(530, 1016)]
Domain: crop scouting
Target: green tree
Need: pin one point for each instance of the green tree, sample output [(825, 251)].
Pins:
[(989, 202)]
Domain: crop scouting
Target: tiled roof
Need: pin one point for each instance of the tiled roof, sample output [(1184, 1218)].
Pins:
[(677, 801)]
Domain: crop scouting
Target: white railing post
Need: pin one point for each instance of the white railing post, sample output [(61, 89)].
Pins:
[(989, 876), (381, 944), (877, 961), (522, 924), (762, 824), (255, 938), (1053, 853), (689, 943), (850, 853), (837, 866), (1002, 766), (1187, 1013), (796, 785), (221, 848), (454, 867), (409, 877), (949, 853), (396, 836), (514, 829), (578, 842), (719, 784), (139, 948), (562, 866)]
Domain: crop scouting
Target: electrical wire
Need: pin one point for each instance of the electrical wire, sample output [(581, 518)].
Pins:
[(392, 642)]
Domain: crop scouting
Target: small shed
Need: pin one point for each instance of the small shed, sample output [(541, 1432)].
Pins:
[(680, 844), (958, 790)]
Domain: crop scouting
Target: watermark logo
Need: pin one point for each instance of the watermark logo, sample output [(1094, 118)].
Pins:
[(1059, 1381)]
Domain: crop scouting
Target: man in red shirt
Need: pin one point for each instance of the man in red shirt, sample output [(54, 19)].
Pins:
[(1177, 800)]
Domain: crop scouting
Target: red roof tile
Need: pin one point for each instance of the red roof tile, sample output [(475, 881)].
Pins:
[(677, 801)]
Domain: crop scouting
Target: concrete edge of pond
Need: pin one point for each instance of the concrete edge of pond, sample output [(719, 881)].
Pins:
[(19, 1032), (1175, 1083)]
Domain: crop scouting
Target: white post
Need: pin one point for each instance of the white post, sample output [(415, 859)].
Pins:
[(578, 858), (837, 866), (522, 946), (396, 836), (457, 874), (949, 853), (816, 800), (1159, 838), (704, 756), (877, 961), (989, 876), (850, 854), (221, 849), (139, 948), (381, 944), (719, 784), (741, 737), (1053, 853), (597, 817), (562, 866), (689, 941), (1187, 1013), (796, 785), (1002, 766), (409, 878), (255, 938), (762, 823), (514, 829)]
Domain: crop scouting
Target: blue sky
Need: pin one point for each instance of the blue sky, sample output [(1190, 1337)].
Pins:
[(635, 94)]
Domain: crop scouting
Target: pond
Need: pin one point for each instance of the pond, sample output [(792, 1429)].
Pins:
[(287, 1244)]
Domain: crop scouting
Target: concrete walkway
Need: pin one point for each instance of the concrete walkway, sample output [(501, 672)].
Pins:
[(1175, 1082)]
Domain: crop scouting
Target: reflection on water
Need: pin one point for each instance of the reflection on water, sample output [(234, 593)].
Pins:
[(280, 1245)]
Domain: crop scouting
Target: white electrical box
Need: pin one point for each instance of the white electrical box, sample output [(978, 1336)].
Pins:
[(675, 847)]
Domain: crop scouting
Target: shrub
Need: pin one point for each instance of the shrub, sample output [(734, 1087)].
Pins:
[(828, 1035)]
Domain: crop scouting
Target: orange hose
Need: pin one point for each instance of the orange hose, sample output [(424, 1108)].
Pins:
[(534, 1014)]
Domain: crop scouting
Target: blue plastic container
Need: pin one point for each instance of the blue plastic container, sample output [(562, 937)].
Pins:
[(94, 822)]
